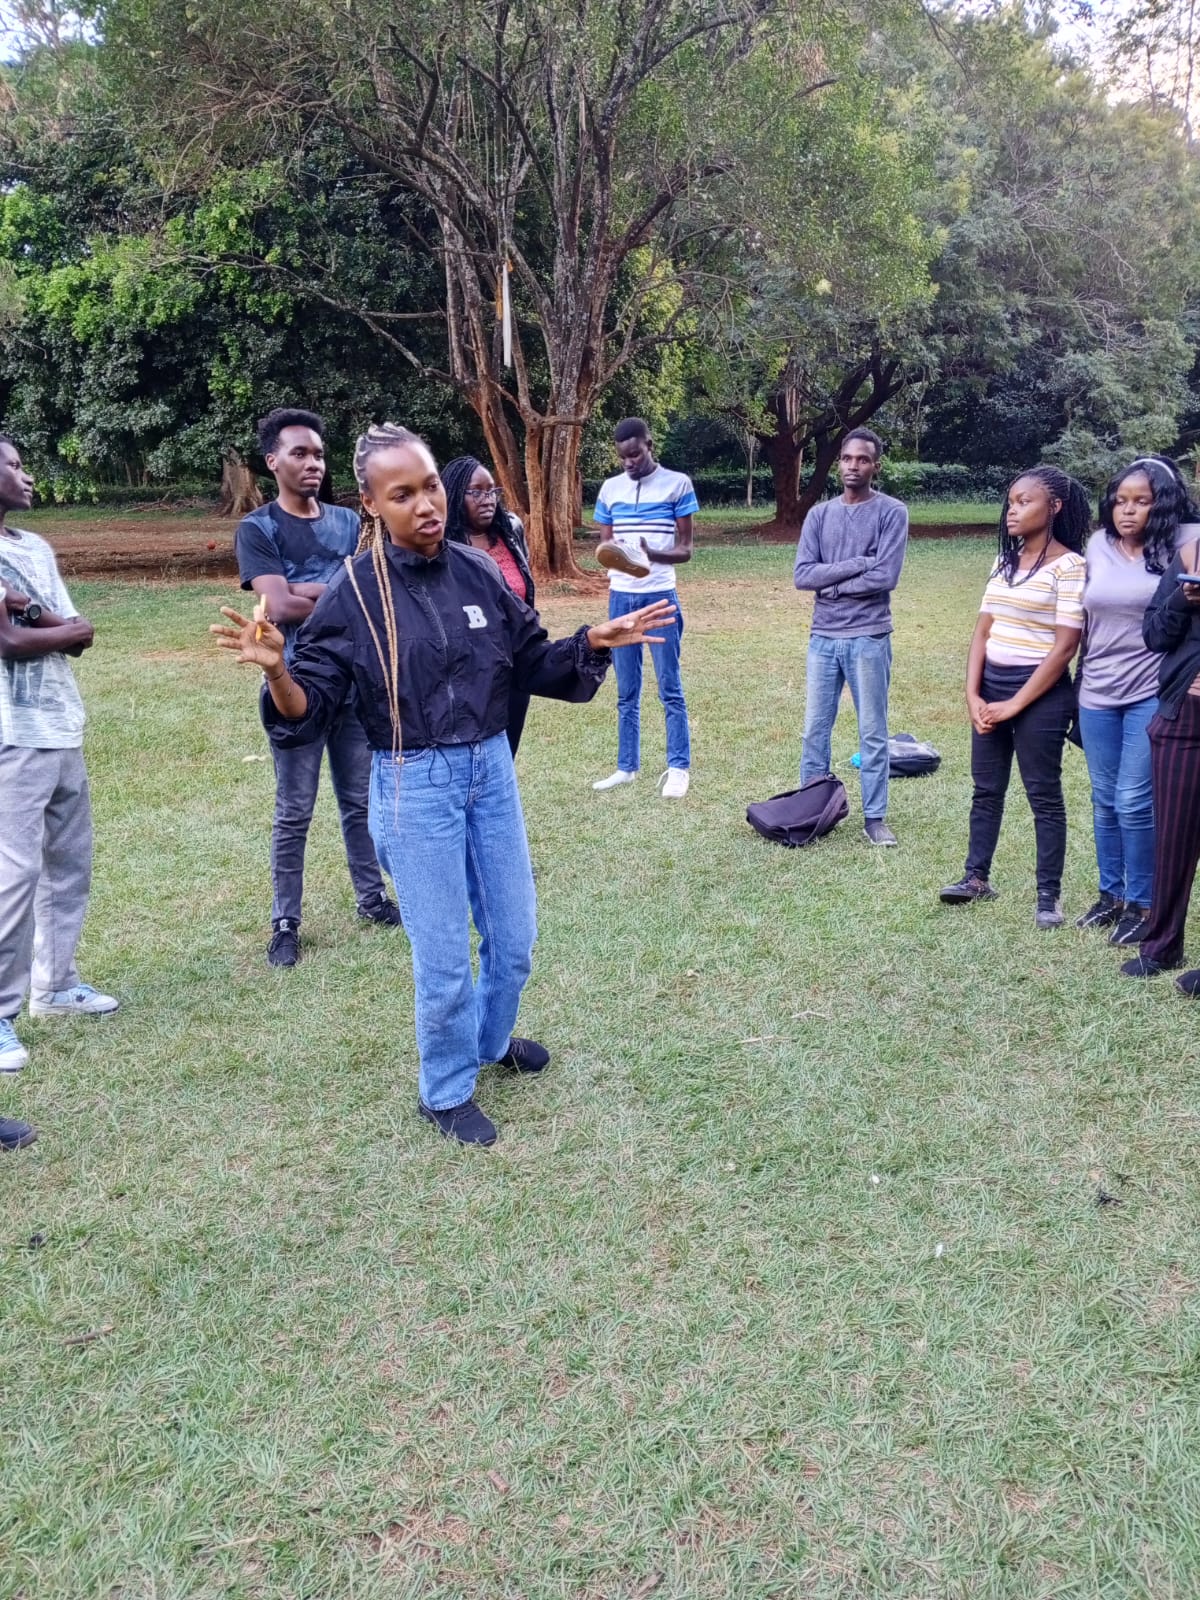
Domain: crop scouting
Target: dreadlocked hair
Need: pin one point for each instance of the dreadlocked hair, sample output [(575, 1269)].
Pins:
[(1072, 521), (1171, 507), (372, 541)]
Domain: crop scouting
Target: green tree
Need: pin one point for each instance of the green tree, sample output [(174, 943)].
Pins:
[(589, 158)]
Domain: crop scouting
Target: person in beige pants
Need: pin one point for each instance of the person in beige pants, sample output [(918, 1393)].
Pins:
[(45, 810)]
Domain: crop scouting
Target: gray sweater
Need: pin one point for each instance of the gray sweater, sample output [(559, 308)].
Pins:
[(851, 555)]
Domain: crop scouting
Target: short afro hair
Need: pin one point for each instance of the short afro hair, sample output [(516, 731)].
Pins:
[(630, 428), (273, 424), (868, 437)]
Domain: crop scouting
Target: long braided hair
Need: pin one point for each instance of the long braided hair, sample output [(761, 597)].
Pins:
[(456, 480), (1172, 505), (372, 541), (1072, 521)]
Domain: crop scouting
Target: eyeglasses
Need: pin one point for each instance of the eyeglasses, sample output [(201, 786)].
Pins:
[(483, 494)]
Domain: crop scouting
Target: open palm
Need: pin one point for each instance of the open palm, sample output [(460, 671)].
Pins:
[(636, 628), (257, 641)]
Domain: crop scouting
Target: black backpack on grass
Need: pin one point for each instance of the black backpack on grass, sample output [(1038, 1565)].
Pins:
[(801, 815), (911, 758)]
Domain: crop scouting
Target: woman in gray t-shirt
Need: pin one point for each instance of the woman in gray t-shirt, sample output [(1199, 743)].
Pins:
[(1140, 516)]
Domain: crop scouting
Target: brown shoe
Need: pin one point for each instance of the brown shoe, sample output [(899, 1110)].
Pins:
[(624, 558)]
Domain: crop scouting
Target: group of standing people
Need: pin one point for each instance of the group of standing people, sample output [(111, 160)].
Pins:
[(404, 643)]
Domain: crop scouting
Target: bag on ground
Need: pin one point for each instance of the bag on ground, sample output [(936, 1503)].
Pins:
[(801, 815), (911, 758)]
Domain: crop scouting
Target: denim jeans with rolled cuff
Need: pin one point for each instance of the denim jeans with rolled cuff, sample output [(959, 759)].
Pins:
[(448, 827)]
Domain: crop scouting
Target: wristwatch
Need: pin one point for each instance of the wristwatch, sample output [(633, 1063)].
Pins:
[(32, 613)]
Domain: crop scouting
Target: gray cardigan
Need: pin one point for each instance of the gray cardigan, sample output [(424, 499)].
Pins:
[(851, 555)]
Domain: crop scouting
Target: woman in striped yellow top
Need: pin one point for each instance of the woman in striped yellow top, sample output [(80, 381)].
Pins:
[(1019, 694)]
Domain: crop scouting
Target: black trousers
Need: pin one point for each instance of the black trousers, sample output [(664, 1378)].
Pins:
[(1175, 775), (1036, 737)]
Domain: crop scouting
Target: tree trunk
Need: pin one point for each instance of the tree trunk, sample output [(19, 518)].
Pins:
[(823, 459), (785, 457), (751, 441), (239, 488), (552, 472)]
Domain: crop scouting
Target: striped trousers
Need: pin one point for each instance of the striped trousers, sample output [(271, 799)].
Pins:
[(1175, 770)]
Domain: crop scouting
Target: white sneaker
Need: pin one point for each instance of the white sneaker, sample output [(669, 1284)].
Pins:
[(81, 1001), (13, 1054), (617, 557), (615, 779), (674, 783)]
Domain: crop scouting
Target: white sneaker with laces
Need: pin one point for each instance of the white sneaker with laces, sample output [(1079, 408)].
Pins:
[(81, 1001), (13, 1054), (614, 780), (616, 556), (674, 783)]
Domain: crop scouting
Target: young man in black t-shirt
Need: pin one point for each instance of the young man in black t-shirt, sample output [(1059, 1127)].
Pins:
[(288, 552)]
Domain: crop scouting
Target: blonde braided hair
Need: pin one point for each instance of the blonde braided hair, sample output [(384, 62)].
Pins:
[(372, 540)]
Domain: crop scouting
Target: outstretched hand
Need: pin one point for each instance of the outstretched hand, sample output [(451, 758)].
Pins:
[(636, 628), (257, 640)]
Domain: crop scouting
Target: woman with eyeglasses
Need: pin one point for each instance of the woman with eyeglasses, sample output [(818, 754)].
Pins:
[(476, 515)]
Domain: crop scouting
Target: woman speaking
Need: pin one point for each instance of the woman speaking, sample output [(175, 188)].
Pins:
[(433, 641)]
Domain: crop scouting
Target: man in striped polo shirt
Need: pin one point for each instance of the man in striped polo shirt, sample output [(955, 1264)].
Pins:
[(645, 519)]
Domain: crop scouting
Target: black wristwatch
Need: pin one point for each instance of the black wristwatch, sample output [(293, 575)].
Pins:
[(32, 613)]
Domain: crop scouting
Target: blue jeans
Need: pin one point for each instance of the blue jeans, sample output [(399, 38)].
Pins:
[(1117, 746), (866, 665), (627, 664), (448, 828), (297, 777)]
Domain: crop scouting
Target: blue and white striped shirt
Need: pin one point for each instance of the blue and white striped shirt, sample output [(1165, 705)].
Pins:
[(645, 508)]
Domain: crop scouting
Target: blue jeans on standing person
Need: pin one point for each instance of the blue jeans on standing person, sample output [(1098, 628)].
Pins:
[(297, 779), (448, 827), (1117, 746), (627, 664), (865, 663)]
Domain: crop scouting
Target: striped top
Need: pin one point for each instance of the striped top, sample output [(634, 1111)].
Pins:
[(1025, 614), (645, 508)]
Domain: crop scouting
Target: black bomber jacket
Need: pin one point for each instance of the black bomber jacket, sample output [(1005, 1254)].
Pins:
[(464, 641), (1172, 627)]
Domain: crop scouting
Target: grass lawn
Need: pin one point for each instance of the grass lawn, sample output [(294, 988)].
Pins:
[(789, 1280)]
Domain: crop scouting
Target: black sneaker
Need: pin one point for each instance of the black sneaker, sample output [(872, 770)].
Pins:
[(1188, 983), (525, 1055), (876, 831), (1146, 967), (1131, 926), (1049, 913), (1103, 914), (466, 1123), (383, 911), (15, 1135), (284, 948), (966, 890)]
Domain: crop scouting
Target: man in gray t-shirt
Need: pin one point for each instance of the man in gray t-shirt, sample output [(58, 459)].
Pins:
[(850, 554)]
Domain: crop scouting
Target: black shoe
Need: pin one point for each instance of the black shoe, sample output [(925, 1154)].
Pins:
[(1188, 983), (383, 911), (1145, 967), (466, 1123), (525, 1055), (1131, 926), (15, 1135), (876, 831), (284, 948), (1103, 914), (1049, 913), (966, 890)]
